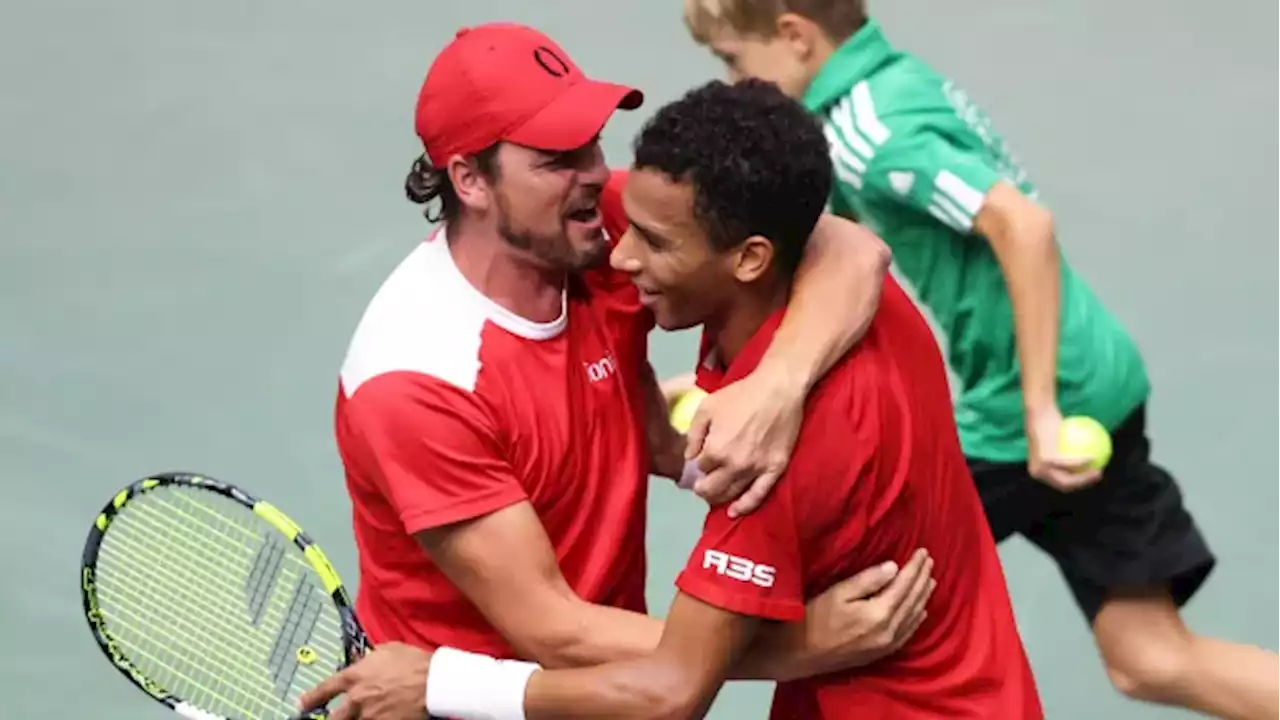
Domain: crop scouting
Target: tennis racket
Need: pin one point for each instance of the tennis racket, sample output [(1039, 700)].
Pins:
[(213, 601)]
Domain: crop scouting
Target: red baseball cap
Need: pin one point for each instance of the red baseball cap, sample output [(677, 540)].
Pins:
[(503, 81)]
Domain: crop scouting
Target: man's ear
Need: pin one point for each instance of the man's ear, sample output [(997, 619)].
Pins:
[(469, 184), (752, 259)]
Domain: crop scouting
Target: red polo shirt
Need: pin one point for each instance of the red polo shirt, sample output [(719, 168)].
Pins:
[(877, 472)]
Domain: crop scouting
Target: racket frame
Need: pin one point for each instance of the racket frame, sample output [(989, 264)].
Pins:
[(355, 642)]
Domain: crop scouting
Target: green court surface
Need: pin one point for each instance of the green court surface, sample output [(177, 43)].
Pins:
[(197, 200)]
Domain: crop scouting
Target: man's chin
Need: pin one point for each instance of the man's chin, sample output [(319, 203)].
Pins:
[(592, 255), (670, 323)]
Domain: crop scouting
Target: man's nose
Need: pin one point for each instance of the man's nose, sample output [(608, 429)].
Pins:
[(622, 258)]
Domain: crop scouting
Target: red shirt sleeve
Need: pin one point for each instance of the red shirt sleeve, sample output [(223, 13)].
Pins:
[(431, 448), (749, 565)]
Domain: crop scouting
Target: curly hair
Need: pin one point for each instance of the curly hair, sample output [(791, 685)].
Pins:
[(758, 163)]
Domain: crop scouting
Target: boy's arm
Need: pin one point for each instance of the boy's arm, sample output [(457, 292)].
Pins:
[(1021, 234), (962, 189)]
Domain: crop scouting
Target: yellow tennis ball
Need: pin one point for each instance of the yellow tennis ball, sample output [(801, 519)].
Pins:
[(684, 408), (1081, 436)]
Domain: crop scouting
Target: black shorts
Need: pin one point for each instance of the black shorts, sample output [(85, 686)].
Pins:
[(1130, 530)]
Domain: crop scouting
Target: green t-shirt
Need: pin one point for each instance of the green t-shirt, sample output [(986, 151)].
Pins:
[(914, 159)]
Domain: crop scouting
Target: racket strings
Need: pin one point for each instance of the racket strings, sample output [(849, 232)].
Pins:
[(174, 579), (280, 658), (159, 620), (197, 566), (211, 563), (140, 589)]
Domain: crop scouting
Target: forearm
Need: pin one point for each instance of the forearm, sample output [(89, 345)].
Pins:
[(634, 689), (834, 297), (679, 679), (780, 652), (522, 593), (1032, 274), (593, 635), (603, 634)]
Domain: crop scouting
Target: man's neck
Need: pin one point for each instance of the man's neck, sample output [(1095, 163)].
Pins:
[(743, 320), (505, 275)]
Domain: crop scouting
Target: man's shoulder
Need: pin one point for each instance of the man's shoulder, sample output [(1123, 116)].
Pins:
[(419, 322)]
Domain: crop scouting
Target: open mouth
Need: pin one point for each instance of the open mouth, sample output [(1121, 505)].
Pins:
[(586, 212), (585, 215)]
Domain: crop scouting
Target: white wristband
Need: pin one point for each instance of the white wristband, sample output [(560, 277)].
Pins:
[(689, 475), (469, 686)]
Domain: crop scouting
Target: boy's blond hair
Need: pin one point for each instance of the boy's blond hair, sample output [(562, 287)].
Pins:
[(839, 19)]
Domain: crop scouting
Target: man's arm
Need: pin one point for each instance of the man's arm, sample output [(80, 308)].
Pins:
[(523, 594), (833, 299), (740, 573), (744, 437), (743, 434), (679, 679), (441, 464), (438, 460)]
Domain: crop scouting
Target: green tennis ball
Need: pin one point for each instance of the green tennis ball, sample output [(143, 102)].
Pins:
[(1081, 436), (683, 410)]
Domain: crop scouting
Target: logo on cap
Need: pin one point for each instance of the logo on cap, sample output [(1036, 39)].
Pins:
[(550, 61)]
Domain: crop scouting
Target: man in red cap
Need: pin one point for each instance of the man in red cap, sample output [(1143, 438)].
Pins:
[(497, 416)]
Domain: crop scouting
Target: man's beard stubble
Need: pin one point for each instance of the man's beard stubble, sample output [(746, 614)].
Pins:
[(555, 252)]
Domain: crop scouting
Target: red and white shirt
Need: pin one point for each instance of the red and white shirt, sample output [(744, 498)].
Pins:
[(876, 473), (450, 407)]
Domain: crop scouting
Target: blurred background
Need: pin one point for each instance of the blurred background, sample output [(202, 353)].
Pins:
[(197, 201)]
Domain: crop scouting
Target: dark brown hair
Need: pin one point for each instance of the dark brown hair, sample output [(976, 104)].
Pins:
[(425, 184)]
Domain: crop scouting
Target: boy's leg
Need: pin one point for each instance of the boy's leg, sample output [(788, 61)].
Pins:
[(1151, 655), (1133, 556)]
